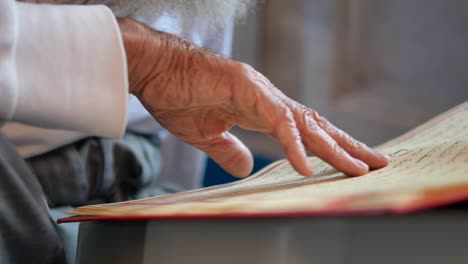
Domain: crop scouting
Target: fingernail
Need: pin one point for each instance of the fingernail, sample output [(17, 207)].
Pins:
[(381, 155), (310, 166), (361, 164)]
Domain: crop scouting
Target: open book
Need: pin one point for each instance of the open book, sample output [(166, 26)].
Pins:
[(428, 167)]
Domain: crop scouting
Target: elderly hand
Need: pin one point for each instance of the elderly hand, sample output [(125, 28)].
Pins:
[(198, 96)]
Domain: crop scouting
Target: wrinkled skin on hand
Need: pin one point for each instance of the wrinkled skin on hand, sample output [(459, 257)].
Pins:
[(198, 96)]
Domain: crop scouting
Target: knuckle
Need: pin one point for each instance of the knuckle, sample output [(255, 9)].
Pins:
[(355, 143), (311, 125), (321, 121), (286, 116)]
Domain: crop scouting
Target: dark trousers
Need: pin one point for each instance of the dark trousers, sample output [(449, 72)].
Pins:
[(27, 233), (99, 170)]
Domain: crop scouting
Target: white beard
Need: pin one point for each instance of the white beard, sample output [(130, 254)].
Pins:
[(215, 12)]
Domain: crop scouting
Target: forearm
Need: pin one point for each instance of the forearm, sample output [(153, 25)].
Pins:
[(150, 53), (166, 61)]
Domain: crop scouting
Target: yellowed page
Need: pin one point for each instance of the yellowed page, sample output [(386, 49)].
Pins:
[(410, 171)]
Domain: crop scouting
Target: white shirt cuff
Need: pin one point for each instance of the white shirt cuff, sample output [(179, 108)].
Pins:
[(71, 69)]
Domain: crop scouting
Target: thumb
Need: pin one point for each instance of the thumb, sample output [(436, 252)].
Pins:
[(230, 153)]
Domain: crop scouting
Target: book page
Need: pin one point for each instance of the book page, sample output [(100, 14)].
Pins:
[(411, 172)]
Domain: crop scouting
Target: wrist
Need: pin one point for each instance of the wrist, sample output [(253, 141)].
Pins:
[(131, 35), (151, 55)]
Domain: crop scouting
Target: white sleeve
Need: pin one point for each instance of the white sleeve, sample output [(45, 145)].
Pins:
[(70, 69)]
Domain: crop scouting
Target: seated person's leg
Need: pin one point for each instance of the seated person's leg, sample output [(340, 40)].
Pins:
[(27, 233), (98, 170)]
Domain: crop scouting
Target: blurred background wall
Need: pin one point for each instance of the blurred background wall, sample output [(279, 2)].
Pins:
[(375, 68)]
